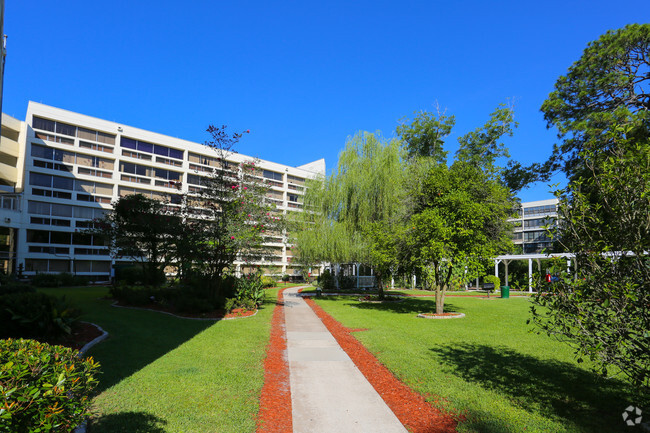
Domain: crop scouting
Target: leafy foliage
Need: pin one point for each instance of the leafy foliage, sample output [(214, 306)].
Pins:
[(43, 388), (425, 134), (35, 315), (606, 87), (603, 311)]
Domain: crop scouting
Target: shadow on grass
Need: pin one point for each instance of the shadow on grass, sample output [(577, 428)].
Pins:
[(405, 306), (132, 422), (552, 388), (137, 338)]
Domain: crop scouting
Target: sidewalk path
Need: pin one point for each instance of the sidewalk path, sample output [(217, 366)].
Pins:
[(328, 392)]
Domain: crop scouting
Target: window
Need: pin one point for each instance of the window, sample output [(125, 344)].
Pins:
[(65, 129), (44, 124), (42, 152), (143, 146), (140, 170), (272, 175), (39, 179), (94, 146), (292, 197)]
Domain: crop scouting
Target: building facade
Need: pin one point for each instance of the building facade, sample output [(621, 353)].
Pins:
[(530, 226), (70, 168)]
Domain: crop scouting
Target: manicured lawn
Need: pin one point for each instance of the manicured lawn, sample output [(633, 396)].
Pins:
[(426, 292), (165, 374), (487, 366)]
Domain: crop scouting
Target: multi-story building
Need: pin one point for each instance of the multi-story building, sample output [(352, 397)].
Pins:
[(71, 167), (531, 225)]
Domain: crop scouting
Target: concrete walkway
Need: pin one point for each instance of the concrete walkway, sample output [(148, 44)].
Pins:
[(328, 392)]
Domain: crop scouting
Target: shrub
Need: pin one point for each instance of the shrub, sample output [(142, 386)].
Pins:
[(57, 280), (326, 281), (132, 295), (35, 315), (130, 275), (268, 282), (15, 287), (43, 388), (492, 279), (347, 282)]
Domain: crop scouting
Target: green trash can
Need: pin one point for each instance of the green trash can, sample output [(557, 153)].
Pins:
[(505, 292)]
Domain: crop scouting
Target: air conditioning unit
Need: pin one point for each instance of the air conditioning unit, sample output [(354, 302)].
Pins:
[(7, 220)]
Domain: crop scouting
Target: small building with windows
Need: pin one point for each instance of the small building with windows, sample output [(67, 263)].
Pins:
[(67, 169), (531, 225)]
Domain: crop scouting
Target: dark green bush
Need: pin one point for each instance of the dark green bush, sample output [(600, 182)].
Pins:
[(326, 281), (15, 287), (58, 280), (130, 276), (347, 282), (268, 282), (46, 280), (35, 315), (133, 295), (43, 388)]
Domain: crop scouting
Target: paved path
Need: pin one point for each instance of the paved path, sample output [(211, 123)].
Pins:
[(328, 392)]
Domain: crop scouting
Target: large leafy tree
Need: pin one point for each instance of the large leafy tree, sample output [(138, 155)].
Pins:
[(352, 215), (229, 214), (607, 87), (604, 310), (460, 218), (141, 229), (600, 109), (425, 135)]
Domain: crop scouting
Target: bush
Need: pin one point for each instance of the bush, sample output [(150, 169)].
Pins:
[(347, 282), (132, 295), (35, 315), (43, 388), (326, 281), (130, 275), (57, 280), (15, 287), (494, 280), (268, 282)]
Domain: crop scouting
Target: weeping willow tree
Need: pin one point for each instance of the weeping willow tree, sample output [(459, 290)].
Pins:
[(354, 214)]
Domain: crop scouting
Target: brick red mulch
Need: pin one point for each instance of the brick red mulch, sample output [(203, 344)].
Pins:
[(275, 414), (413, 411)]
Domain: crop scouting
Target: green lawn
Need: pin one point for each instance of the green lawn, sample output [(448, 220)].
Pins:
[(165, 374), (487, 366)]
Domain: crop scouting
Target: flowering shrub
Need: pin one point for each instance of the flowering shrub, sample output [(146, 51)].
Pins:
[(43, 388)]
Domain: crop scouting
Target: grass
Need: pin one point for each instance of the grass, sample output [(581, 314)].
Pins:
[(487, 366), (166, 374), (424, 292)]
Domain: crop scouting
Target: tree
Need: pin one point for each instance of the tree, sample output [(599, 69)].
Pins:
[(460, 218), (425, 134), (350, 215), (601, 111), (604, 310), (140, 228), (605, 88), (482, 146), (229, 212)]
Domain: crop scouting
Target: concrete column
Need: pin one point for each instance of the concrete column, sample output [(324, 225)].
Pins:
[(530, 275), (506, 262)]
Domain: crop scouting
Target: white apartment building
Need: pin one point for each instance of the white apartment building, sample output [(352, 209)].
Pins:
[(529, 231), (70, 168)]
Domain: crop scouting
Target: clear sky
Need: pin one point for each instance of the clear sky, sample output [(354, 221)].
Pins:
[(302, 76)]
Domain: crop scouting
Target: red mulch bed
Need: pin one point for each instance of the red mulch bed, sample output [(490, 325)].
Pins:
[(275, 414), (216, 314), (82, 334), (413, 411)]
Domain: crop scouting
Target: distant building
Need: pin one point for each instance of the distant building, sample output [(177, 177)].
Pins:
[(529, 231), (60, 170)]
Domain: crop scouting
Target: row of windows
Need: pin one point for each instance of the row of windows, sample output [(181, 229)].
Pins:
[(539, 222), (72, 130), (539, 236), (63, 238), (143, 170), (161, 196), (65, 210), (53, 265), (143, 146), (268, 174), (540, 210), (68, 183), (71, 157)]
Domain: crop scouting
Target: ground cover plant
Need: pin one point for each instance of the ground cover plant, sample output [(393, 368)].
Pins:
[(487, 365), (167, 374)]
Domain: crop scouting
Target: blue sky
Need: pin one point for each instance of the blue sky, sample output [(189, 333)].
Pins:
[(302, 76)]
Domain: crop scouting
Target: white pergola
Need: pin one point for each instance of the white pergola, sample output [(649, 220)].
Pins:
[(506, 259)]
